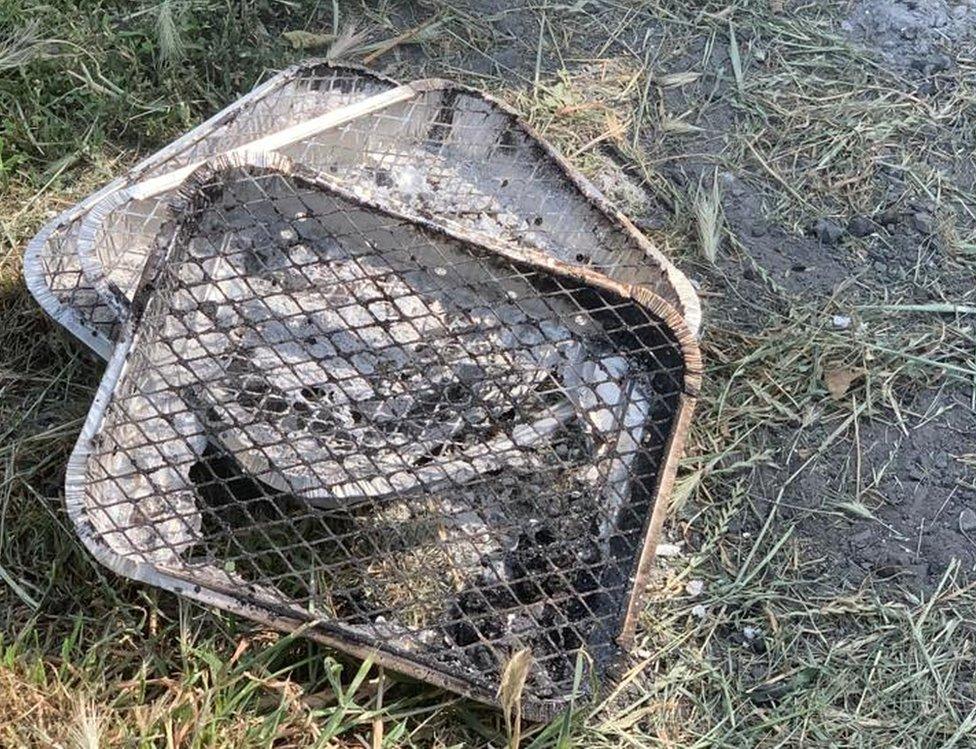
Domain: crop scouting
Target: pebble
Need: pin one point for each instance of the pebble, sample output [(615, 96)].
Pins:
[(936, 63), (861, 226), (889, 216), (922, 223), (967, 521), (828, 232), (668, 550), (862, 538)]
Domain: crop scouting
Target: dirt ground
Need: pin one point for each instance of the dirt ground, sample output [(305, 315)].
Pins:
[(817, 582), (909, 467)]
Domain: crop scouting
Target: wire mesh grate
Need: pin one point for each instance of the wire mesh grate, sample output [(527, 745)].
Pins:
[(445, 154), (417, 438), (51, 266)]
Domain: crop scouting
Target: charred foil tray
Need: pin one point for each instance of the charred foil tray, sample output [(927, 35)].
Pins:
[(429, 148), (406, 436)]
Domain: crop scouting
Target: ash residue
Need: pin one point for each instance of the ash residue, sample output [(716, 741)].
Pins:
[(510, 517), (392, 571)]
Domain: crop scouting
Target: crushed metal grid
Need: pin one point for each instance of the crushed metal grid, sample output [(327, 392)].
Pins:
[(446, 153), (409, 435), (52, 268)]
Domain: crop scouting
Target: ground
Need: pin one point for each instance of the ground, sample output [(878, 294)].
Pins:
[(816, 585)]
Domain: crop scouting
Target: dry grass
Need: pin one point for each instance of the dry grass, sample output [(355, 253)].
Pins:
[(803, 119), (708, 218)]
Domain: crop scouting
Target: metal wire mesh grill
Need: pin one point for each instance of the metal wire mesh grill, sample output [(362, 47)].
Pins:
[(51, 266), (446, 155), (447, 142), (425, 442), (456, 157)]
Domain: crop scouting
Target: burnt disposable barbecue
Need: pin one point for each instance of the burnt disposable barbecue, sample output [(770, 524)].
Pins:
[(411, 435)]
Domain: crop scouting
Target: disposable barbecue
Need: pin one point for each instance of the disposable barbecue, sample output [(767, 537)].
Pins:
[(413, 436)]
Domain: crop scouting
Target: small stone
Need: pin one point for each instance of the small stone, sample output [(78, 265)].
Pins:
[(922, 223), (699, 611), (861, 226), (841, 322), (862, 538), (889, 216), (695, 588), (967, 521), (828, 232), (921, 205), (668, 550), (936, 63)]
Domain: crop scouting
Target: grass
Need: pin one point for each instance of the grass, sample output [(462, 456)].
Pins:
[(708, 216), (651, 99)]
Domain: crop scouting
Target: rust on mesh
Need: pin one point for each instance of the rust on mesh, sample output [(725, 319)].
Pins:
[(398, 434)]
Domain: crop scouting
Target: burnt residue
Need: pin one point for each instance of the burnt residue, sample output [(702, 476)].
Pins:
[(529, 551), (440, 129)]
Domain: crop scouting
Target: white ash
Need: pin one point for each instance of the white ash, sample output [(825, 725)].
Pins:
[(346, 374), (142, 500), (343, 388)]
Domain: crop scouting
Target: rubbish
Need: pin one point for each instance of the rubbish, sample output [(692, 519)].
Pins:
[(455, 123), (386, 369)]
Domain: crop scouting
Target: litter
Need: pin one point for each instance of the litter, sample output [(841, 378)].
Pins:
[(387, 370)]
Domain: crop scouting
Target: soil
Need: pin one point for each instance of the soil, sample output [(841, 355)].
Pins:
[(922, 487), (912, 482), (920, 36)]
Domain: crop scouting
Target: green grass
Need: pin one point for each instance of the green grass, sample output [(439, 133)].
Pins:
[(87, 659)]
